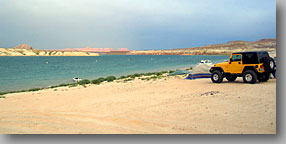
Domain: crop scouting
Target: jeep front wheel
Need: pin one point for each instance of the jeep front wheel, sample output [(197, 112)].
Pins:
[(250, 76), (217, 77)]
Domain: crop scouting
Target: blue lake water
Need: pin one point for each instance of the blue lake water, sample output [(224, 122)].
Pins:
[(17, 73)]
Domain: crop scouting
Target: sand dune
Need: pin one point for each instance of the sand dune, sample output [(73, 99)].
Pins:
[(171, 106)]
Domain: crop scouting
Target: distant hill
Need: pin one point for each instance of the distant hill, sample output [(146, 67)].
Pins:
[(23, 46), (26, 50), (217, 49)]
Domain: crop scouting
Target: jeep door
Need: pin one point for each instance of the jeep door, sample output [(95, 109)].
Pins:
[(236, 64)]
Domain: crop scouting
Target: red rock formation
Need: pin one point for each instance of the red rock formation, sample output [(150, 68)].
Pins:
[(23, 46), (267, 40), (237, 42)]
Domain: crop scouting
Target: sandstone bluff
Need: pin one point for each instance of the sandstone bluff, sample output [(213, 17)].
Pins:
[(26, 50)]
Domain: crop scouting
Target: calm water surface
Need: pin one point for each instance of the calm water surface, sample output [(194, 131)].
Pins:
[(18, 73)]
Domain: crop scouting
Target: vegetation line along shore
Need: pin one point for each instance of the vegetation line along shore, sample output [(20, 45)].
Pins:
[(142, 76)]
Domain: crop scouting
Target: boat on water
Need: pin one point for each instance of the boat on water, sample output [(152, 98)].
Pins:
[(76, 79), (209, 62)]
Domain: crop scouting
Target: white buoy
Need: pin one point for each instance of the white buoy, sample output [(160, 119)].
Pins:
[(47, 62)]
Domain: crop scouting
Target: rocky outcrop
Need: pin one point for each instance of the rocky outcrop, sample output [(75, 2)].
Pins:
[(23, 46), (26, 50), (34, 52)]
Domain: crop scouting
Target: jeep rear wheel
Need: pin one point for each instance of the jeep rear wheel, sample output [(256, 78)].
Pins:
[(264, 78), (217, 77), (231, 78), (250, 76)]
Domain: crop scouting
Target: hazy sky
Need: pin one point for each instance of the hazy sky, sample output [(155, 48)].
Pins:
[(134, 24)]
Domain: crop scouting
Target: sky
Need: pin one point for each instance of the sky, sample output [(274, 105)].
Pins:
[(134, 24)]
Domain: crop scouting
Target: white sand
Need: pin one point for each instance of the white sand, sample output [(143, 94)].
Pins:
[(173, 106)]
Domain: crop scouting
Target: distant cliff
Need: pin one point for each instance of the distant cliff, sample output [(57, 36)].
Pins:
[(26, 50), (218, 49)]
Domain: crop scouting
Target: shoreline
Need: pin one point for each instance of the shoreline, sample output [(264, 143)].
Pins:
[(101, 79)]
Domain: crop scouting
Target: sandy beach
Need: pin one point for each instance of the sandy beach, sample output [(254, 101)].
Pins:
[(167, 106)]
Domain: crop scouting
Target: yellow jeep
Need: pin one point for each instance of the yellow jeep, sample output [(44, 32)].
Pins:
[(252, 66)]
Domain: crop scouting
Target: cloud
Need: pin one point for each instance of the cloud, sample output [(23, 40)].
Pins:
[(136, 24)]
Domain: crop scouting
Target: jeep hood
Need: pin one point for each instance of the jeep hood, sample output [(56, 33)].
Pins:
[(221, 64)]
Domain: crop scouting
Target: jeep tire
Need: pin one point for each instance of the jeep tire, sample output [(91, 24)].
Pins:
[(264, 78), (270, 65), (231, 78), (217, 77), (249, 76)]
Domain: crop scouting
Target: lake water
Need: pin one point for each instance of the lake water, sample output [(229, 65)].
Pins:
[(17, 73)]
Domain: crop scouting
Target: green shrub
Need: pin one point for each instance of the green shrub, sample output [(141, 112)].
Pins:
[(2, 97), (110, 78), (159, 73), (84, 82), (29, 90), (154, 77), (98, 81), (95, 81), (63, 85), (53, 86), (137, 75), (126, 80), (34, 89), (150, 73), (123, 77), (73, 85), (3, 93), (171, 71), (19, 91), (101, 79)]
